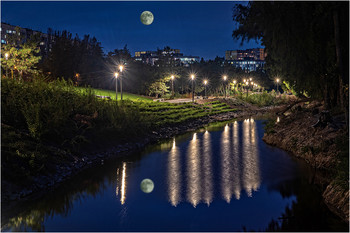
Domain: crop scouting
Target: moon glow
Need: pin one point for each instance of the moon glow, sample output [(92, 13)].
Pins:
[(146, 17), (147, 186)]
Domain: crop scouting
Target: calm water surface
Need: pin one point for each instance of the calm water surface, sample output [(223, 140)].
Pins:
[(223, 178)]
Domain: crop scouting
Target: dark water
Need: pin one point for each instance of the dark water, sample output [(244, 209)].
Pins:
[(223, 178)]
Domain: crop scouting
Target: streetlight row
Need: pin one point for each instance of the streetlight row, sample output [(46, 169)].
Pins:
[(121, 67)]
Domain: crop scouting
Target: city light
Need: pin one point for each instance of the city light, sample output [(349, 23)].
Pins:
[(192, 76), (7, 55), (225, 77), (121, 67), (116, 75), (234, 81)]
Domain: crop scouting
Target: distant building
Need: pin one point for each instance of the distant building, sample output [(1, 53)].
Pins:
[(249, 59), (173, 55), (255, 54), (7, 29)]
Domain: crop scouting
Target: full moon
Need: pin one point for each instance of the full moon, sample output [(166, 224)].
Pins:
[(147, 186), (146, 17)]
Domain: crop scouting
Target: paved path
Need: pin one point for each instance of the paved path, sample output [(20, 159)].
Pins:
[(176, 101)]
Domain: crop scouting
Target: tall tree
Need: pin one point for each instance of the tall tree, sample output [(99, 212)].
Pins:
[(300, 42)]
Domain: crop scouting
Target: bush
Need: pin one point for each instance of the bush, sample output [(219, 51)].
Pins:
[(56, 111)]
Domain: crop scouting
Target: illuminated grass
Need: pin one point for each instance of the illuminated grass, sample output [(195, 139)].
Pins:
[(110, 93)]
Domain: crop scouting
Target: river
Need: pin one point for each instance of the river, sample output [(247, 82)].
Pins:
[(219, 178)]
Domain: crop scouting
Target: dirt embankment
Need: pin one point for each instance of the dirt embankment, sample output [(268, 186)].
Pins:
[(297, 131)]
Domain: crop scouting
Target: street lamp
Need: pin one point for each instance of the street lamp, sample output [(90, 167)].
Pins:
[(277, 80), (7, 57), (205, 88), (116, 85), (247, 86), (121, 67), (172, 84), (225, 78), (234, 86), (192, 77)]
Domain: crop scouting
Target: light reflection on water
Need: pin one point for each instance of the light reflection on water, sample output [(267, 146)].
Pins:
[(122, 185), (207, 182), (239, 166), (174, 175), (215, 167), (193, 172)]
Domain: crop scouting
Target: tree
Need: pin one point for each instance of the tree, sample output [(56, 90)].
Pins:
[(19, 56), (158, 88), (300, 42)]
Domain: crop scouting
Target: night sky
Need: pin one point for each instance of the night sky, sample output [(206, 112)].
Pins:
[(201, 29)]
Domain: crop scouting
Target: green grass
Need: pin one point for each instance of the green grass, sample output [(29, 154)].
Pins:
[(110, 93), (38, 115)]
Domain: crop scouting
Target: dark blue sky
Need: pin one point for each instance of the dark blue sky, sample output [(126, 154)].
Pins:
[(197, 28)]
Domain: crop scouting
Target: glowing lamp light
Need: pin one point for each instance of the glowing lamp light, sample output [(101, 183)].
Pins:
[(172, 77), (116, 75), (250, 79), (205, 82), (234, 81), (121, 68), (277, 80), (251, 83), (225, 77), (244, 80), (192, 76), (6, 55)]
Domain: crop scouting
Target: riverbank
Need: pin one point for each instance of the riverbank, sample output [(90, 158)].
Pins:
[(97, 154), (323, 144)]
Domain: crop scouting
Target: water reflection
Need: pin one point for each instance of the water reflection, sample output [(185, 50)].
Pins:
[(250, 158), (207, 169), (226, 165), (123, 184), (174, 175), (193, 172), (236, 161), (238, 165)]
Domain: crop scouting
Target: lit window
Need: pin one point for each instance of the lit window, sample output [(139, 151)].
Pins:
[(42, 43), (3, 42)]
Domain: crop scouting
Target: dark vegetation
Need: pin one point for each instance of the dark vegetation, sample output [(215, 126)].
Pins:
[(307, 44), (38, 115)]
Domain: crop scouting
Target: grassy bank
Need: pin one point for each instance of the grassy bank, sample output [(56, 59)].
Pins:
[(47, 123), (112, 94)]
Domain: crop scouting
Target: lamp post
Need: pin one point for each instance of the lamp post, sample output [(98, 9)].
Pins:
[(6, 57), (225, 78), (192, 77), (121, 67), (277, 80), (205, 88), (247, 86), (172, 85), (234, 86), (116, 85)]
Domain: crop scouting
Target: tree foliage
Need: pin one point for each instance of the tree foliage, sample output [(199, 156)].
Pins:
[(300, 42), (20, 58)]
